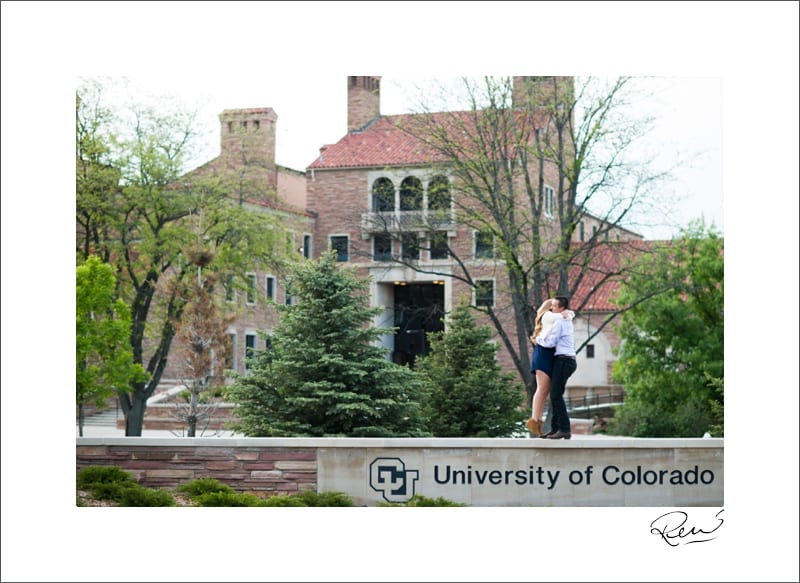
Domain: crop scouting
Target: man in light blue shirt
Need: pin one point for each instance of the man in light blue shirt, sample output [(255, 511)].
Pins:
[(562, 336)]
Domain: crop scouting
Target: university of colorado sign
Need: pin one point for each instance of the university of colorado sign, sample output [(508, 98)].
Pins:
[(621, 472)]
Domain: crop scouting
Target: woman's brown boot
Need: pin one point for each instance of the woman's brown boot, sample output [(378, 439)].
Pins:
[(534, 426)]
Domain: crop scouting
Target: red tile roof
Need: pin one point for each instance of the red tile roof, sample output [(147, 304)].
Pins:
[(390, 141), (600, 270), (381, 144)]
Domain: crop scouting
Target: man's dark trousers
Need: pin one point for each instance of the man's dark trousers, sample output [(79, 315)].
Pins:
[(563, 367)]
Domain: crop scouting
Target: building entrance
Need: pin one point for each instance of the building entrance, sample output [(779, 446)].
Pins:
[(418, 310)]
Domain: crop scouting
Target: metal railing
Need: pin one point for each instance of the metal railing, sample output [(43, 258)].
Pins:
[(600, 401)]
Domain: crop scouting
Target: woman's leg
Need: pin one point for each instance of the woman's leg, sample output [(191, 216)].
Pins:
[(534, 424), (541, 394)]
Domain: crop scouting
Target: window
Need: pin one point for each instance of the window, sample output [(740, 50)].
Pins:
[(484, 245), (230, 291), (232, 360), (549, 201), (439, 249), (484, 292), (251, 288), (439, 194), (382, 248), (382, 195), (341, 244), (590, 351), (256, 125), (581, 228), (269, 287), (307, 246), (288, 298), (290, 248), (410, 247), (411, 194), (249, 349)]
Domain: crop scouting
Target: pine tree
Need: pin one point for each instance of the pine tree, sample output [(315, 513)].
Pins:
[(469, 396), (323, 374)]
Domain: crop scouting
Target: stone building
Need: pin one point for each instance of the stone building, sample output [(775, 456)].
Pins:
[(386, 202)]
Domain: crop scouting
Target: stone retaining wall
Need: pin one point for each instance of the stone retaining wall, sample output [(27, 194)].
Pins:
[(263, 471), (584, 471)]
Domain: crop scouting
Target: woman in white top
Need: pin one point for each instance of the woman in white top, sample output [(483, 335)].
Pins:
[(542, 362)]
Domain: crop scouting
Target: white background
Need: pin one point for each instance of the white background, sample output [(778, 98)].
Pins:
[(752, 47)]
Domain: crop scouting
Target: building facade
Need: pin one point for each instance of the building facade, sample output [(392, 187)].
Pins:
[(387, 203)]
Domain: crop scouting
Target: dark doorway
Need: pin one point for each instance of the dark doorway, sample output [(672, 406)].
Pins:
[(418, 310)]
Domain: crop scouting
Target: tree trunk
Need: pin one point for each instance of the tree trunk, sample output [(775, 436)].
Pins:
[(134, 417), (80, 420)]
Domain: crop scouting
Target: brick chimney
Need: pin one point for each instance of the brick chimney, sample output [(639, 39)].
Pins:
[(363, 101), (248, 147), (251, 131)]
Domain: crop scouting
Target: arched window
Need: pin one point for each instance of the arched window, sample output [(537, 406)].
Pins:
[(439, 194), (382, 195), (411, 194)]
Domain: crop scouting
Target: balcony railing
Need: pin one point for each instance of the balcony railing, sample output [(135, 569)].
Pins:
[(406, 221)]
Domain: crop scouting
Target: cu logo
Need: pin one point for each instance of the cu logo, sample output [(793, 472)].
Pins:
[(389, 476)]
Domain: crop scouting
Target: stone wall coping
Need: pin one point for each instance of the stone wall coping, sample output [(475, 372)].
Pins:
[(579, 442)]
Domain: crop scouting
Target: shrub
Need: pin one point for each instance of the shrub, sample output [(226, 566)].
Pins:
[(136, 495), (227, 499), (88, 476), (200, 486), (116, 485), (419, 500), (312, 498), (284, 500)]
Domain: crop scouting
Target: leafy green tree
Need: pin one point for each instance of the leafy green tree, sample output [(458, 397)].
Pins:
[(323, 374), (137, 208), (469, 396), (672, 338), (718, 408), (103, 356)]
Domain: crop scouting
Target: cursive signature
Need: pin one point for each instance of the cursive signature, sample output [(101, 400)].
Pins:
[(672, 529)]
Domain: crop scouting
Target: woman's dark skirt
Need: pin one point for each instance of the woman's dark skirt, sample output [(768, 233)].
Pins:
[(543, 359)]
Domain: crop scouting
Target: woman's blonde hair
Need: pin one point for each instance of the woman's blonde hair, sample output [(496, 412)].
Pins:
[(543, 309)]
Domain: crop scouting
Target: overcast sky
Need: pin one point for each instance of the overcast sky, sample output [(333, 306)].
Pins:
[(243, 54)]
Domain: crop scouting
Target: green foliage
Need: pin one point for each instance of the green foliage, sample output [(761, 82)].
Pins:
[(717, 405), (90, 475), (140, 496), (324, 375), (672, 341), (203, 486), (328, 499), (103, 356), (114, 484), (226, 499), (284, 500), (117, 485), (419, 500), (469, 395), (139, 209)]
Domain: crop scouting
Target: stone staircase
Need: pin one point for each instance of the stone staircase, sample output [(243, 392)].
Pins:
[(112, 414), (107, 418)]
